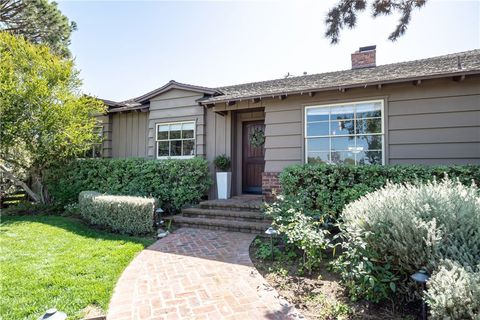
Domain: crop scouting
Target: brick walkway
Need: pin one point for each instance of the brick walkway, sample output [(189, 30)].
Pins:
[(196, 274)]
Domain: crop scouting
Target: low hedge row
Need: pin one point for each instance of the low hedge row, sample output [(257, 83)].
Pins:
[(173, 183), (328, 188), (123, 214)]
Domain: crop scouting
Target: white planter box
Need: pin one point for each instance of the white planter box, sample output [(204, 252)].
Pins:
[(224, 182)]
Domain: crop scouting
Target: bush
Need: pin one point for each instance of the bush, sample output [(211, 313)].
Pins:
[(328, 188), (123, 214), (393, 232), (174, 183), (454, 292), (299, 229)]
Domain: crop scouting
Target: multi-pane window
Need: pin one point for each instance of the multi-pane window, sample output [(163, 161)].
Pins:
[(95, 150), (176, 140), (350, 133)]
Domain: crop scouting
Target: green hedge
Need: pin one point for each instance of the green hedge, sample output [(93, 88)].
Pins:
[(173, 183), (123, 214), (328, 188)]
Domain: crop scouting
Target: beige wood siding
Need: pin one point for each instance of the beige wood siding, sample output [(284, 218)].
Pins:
[(437, 122), (129, 133), (172, 106)]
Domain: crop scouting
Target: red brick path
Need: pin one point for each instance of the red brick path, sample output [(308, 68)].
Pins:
[(196, 274)]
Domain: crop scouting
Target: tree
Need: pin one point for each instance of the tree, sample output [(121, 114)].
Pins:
[(39, 21), (345, 14), (44, 117)]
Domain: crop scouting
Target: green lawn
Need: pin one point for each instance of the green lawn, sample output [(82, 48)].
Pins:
[(51, 261)]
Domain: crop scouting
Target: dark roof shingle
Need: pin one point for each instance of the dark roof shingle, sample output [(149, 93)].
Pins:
[(458, 63)]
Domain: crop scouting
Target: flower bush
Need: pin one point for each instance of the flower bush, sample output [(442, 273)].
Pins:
[(174, 183), (299, 229), (392, 232), (123, 214)]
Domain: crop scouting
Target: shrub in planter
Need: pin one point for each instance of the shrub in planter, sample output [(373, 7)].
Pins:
[(391, 233), (328, 188), (123, 214), (224, 178), (174, 183)]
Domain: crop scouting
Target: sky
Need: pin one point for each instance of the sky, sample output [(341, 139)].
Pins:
[(124, 49)]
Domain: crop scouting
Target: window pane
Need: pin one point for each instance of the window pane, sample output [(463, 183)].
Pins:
[(175, 148), (187, 130), (369, 126), (369, 157), (175, 131), (163, 148), (317, 129), (320, 114), (369, 110), (342, 143), (341, 127), (369, 142), (162, 132), (318, 144), (341, 112), (318, 157), (345, 157), (188, 148)]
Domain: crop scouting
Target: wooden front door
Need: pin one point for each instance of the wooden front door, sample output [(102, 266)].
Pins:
[(253, 162)]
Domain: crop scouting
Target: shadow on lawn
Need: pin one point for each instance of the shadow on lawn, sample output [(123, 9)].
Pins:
[(74, 225)]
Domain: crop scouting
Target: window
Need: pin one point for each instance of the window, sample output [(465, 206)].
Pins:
[(350, 133), (176, 140), (95, 150)]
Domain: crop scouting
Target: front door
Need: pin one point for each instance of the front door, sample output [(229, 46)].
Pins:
[(253, 162)]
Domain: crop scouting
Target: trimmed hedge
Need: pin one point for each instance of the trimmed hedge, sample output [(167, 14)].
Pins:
[(174, 183), (328, 188), (123, 214)]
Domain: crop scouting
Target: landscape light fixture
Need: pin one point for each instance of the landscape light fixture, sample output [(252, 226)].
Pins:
[(53, 314), (421, 277), (271, 232)]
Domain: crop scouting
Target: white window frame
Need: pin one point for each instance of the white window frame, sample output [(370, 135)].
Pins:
[(177, 122), (349, 103)]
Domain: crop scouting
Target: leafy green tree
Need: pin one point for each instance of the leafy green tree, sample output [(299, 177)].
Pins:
[(39, 21), (44, 117), (345, 14)]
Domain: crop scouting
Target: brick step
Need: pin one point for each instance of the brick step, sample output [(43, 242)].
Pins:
[(236, 215), (231, 205), (220, 224)]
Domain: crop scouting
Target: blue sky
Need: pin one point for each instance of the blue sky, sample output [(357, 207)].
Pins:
[(125, 49)]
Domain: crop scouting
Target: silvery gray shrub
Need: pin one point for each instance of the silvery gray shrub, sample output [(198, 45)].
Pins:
[(394, 231), (123, 214)]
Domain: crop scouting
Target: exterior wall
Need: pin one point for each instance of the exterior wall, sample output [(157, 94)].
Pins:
[(129, 132), (176, 105), (270, 186), (106, 122)]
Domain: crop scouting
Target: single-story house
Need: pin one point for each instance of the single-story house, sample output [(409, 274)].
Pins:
[(418, 112)]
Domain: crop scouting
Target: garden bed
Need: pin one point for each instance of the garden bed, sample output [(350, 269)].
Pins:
[(51, 261), (319, 295)]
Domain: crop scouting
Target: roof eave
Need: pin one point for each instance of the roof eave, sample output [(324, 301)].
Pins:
[(209, 102)]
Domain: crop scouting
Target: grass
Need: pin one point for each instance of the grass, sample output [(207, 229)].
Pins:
[(52, 261)]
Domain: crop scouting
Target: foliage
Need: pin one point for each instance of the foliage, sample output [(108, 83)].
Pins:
[(222, 162), (328, 188), (264, 250), (124, 214), (393, 232), (39, 21), (44, 118), (345, 14), (300, 229), (51, 261), (173, 183), (454, 292)]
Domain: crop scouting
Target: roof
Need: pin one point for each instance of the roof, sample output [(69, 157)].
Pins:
[(139, 102), (462, 63)]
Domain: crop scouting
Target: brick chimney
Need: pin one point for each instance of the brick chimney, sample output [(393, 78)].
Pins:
[(365, 57)]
